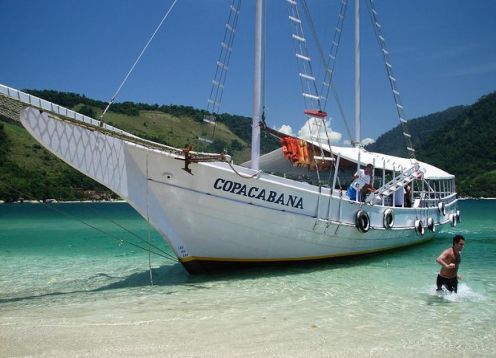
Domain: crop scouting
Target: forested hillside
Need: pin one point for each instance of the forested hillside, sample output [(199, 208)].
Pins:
[(392, 142), (458, 140), (28, 171), (466, 148)]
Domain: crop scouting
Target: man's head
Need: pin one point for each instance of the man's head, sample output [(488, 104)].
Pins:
[(458, 242), (369, 168)]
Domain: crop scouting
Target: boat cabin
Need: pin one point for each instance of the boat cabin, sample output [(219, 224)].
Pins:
[(399, 182)]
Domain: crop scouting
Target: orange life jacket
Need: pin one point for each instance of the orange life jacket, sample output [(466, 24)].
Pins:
[(296, 150), (290, 148)]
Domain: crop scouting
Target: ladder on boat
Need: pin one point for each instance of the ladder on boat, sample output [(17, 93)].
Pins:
[(392, 80), (222, 65), (400, 181), (305, 72), (316, 117)]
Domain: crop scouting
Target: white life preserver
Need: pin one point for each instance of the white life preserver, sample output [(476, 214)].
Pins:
[(388, 218), (419, 227), (362, 221), (431, 225), (442, 208)]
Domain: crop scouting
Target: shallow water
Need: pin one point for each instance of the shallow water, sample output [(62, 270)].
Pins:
[(67, 288)]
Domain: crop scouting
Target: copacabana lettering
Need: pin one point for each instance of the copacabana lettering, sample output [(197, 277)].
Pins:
[(257, 193)]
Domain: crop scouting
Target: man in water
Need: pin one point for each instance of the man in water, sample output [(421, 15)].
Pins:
[(450, 261)]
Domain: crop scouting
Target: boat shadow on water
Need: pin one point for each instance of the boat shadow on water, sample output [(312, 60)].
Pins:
[(171, 275), (176, 276)]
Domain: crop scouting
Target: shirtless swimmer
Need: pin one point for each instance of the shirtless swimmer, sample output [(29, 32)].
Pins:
[(450, 261)]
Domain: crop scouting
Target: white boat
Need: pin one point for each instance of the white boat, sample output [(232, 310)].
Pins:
[(214, 213)]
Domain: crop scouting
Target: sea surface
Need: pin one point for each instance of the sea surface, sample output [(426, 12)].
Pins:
[(73, 285)]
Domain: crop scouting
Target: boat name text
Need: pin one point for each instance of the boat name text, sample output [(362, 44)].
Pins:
[(260, 194)]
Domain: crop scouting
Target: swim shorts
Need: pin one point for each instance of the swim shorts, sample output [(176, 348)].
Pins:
[(450, 283)]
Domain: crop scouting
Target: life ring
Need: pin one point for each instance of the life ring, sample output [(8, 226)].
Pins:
[(419, 227), (388, 219), (362, 221), (431, 225), (458, 217), (442, 208)]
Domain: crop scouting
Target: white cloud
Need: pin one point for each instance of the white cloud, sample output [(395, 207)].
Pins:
[(286, 129), (335, 137), (364, 142), (367, 141), (314, 129)]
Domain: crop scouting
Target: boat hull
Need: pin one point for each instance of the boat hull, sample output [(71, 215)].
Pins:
[(212, 214)]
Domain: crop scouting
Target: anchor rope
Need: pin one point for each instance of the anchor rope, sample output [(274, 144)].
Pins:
[(148, 225), (243, 175)]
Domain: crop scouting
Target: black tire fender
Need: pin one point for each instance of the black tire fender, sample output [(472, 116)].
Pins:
[(362, 221), (431, 225), (419, 227), (388, 218)]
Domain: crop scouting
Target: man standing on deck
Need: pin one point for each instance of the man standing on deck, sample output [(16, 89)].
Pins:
[(450, 261), (361, 184)]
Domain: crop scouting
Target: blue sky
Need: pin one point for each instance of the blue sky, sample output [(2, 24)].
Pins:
[(443, 54)]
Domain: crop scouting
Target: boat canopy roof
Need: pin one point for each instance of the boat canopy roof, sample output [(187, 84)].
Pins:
[(388, 162), (275, 162)]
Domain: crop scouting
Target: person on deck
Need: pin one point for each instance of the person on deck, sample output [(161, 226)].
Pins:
[(408, 196), (450, 261), (361, 183)]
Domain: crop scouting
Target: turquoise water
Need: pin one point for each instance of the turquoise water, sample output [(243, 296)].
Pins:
[(71, 285)]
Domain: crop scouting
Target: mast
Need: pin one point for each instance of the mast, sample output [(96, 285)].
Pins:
[(257, 89), (357, 73)]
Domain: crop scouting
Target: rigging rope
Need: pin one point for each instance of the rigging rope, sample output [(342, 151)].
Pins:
[(310, 91), (392, 80), (160, 252), (148, 224), (136, 62), (243, 175), (319, 49), (330, 64), (319, 122), (307, 79), (222, 65)]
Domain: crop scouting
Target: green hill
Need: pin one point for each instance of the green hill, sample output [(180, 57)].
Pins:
[(458, 140), (465, 148), (393, 143), (28, 171)]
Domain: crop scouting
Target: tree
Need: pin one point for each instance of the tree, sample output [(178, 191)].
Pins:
[(87, 111)]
